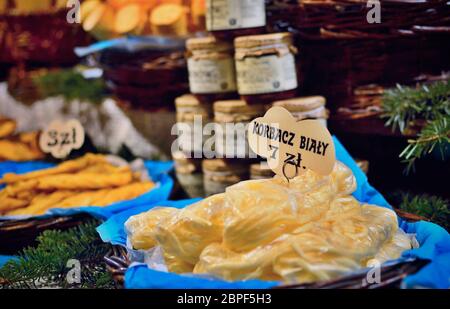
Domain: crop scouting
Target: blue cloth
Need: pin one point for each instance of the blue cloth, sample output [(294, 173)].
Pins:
[(364, 192), (158, 172), (113, 231), (142, 277), (434, 245), (6, 258), (22, 167), (137, 276)]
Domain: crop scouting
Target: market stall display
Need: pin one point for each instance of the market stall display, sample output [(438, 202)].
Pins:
[(90, 181), (39, 190), (194, 80), (254, 231), (393, 274)]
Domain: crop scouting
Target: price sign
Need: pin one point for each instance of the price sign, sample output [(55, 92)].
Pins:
[(290, 146), (61, 137)]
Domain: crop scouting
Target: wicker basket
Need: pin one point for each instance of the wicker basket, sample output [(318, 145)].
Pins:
[(40, 39), (347, 19), (16, 235), (146, 80), (361, 114), (340, 51), (117, 263)]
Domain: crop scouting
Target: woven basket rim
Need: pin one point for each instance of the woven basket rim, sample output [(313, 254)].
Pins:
[(117, 262)]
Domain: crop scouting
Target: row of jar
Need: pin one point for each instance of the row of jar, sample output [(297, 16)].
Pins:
[(200, 178), (205, 177), (260, 68), (219, 129)]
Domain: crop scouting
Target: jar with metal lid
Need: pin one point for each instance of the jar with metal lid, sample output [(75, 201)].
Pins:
[(265, 67), (312, 107), (261, 171), (189, 174), (232, 118), (212, 74), (227, 19), (218, 174), (192, 116)]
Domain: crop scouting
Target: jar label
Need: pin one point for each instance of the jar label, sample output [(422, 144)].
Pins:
[(212, 75), (235, 14), (266, 74)]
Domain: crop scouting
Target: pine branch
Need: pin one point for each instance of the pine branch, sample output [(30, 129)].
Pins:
[(432, 207), (404, 106), (45, 265), (71, 85), (435, 135)]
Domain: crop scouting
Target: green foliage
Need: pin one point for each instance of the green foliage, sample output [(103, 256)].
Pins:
[(435, 135), (405, 106), (432, 207), (71, 85), (46, 264)]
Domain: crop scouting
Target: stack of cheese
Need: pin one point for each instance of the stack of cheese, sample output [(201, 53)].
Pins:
[(17, 147), (307, 230), (109, 18), (88, 181)]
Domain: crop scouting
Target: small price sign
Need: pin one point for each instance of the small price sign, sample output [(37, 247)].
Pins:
[(61, 137), (290, 146)]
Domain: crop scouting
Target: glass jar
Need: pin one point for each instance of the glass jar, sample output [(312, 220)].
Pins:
[(218, 174), (232, 118), (306, 108), (261, 171), (227, 19), (212, 74), (265, 67), (189, 174), (192, 116)]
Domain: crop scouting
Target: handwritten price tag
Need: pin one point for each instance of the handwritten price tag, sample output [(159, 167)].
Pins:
[(290, 146), (61, 137)]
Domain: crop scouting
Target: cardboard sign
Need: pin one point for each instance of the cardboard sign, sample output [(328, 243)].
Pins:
[(290, 146), (61, 137)]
